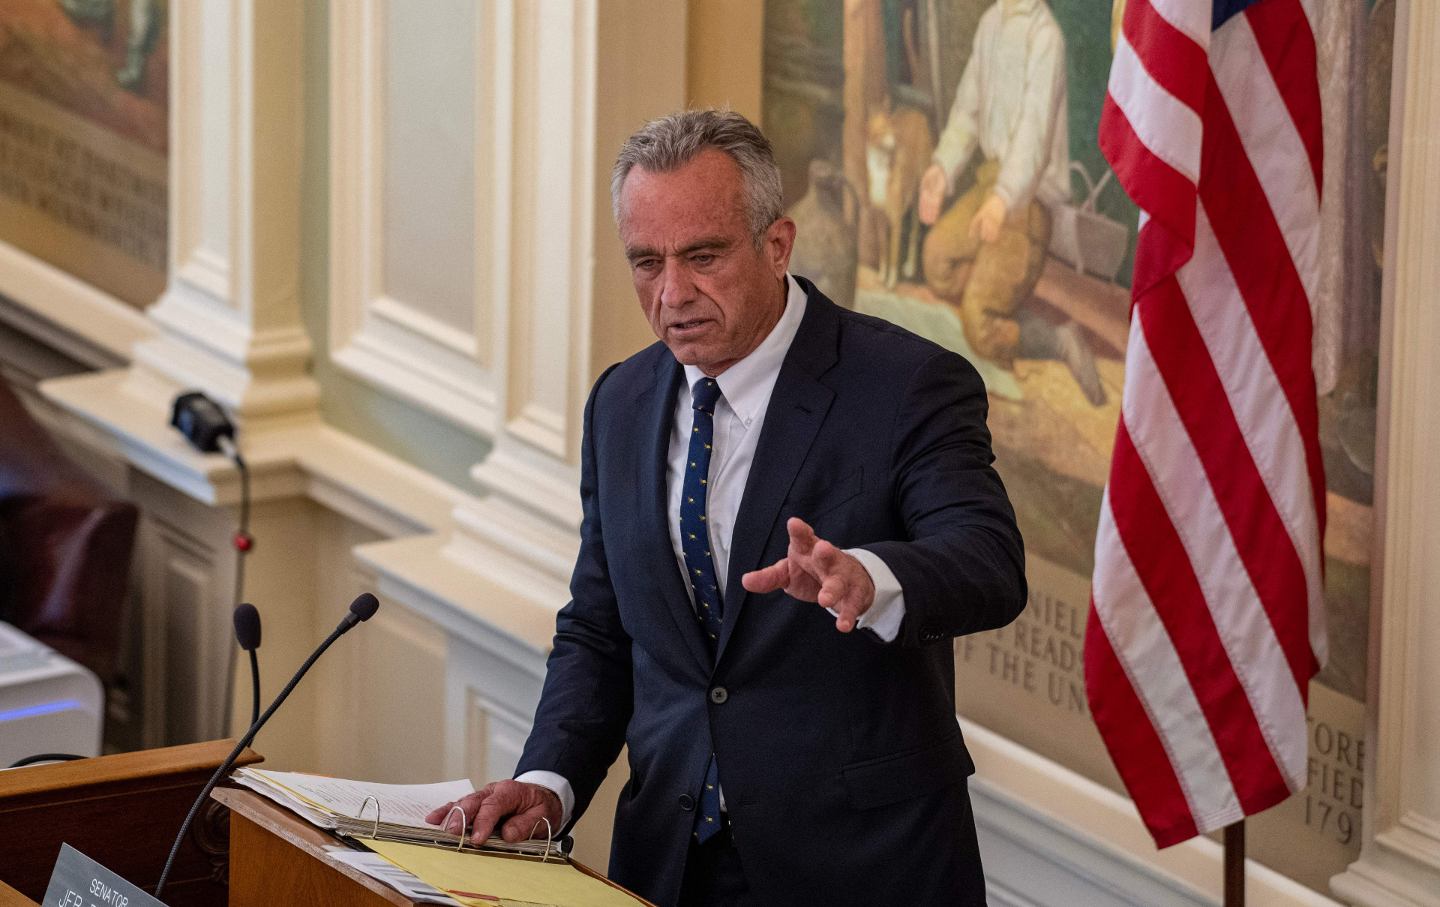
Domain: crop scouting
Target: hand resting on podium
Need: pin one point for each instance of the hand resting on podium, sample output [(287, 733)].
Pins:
[(513, 809)]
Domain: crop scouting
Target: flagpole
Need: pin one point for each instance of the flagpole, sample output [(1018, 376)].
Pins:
[(1235, 864)]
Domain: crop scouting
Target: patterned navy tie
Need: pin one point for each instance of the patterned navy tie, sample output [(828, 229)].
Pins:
[(700, 566)]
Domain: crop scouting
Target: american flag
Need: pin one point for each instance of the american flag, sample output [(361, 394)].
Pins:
[(1207, 614)]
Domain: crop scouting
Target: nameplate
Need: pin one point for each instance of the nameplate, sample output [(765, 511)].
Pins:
[(79, 881)]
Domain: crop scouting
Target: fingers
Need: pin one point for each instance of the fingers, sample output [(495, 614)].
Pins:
[(984, 227), (929, 207), (932, 193), (830, 570), (802, 537), (768, 579), (445, 813), (815, 570), (500, 804), (845, 588), (529, 824), (437, 815), (832, 591), (493, 809), (976, 226)]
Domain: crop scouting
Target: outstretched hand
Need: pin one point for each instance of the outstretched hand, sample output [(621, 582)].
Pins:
[(517, 809), (814, 570)]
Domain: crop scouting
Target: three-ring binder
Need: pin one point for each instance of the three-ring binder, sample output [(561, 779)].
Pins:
[(530, 849)]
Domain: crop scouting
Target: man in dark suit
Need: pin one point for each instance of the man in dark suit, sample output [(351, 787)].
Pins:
[(789, 512)]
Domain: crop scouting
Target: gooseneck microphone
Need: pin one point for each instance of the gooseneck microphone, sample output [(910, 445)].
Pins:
[(362, 608), (247, 633)]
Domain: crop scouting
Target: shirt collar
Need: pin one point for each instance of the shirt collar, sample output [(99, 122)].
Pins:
[(747, 384)]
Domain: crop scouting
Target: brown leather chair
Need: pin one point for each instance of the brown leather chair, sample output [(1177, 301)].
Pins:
[(65, 545)]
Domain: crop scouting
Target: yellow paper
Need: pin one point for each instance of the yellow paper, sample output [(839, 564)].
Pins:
[(476, 880)]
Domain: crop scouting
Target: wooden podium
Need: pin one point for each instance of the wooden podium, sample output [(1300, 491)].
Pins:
[(278, 858), (122, 810)]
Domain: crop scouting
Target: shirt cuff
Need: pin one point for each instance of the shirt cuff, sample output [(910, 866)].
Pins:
[(887, 612), (560, 786)]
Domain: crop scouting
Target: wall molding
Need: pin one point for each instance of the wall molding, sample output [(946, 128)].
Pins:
[(229, 320), (1400, 844), (67, 313), (525, 367), (378, 339), (547, 362), (1056, 835)]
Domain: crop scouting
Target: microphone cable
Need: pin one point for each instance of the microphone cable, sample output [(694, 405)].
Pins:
[(243, 542)]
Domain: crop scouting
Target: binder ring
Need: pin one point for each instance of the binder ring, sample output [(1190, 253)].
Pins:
[(459, 845), (375, 830), (549, 837)]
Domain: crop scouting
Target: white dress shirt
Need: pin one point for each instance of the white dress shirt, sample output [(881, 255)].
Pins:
[(739, 417)]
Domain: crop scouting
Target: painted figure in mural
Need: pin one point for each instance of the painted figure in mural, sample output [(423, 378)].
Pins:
[(985, 252), (142, 34)]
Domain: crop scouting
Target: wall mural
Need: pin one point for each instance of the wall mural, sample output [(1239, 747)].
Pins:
[(940, 161), (84, 133)]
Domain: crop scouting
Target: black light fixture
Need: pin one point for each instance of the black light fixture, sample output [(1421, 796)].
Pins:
[(203, 423)]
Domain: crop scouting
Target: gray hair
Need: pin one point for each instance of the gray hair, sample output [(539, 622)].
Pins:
[(671, 142)]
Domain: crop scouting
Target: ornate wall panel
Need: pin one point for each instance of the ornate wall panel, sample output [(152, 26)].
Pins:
[(413, 240)]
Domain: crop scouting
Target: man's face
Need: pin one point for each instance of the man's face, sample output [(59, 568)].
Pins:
[(706, 290)]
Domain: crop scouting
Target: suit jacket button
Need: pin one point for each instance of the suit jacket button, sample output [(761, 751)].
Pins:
[(687, 802), (718, 695)]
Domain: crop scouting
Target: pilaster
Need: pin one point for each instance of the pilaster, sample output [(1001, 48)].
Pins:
[(563, 307), (229, 320), (1400, 851)]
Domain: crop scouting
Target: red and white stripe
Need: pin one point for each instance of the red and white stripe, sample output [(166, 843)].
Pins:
[(1208, 617)]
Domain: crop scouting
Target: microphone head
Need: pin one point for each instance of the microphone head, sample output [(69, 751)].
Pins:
[(247, 626), (364, 606)]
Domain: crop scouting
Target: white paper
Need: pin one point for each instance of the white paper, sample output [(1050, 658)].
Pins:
[(382, 870), (400, 804)]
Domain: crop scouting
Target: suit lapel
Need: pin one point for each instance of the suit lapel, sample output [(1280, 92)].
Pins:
[(657, 402), (797, 410)]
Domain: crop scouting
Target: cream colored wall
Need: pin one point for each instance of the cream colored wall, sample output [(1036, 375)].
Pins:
[(408, 432), (722, 69), (724, 45)]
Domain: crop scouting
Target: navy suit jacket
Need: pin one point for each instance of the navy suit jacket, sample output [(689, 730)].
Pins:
[(842, 764)]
